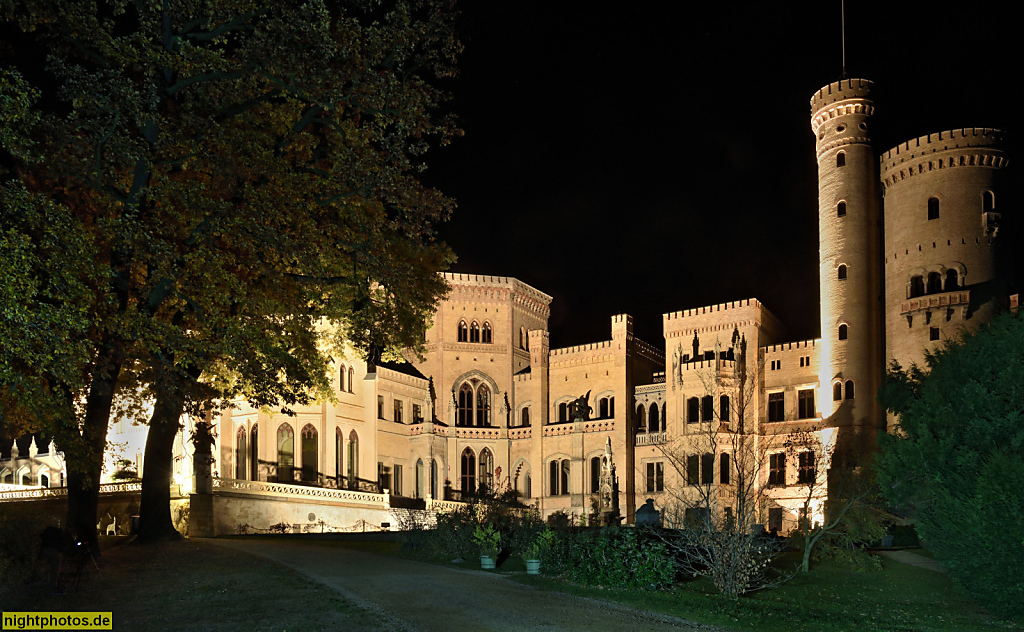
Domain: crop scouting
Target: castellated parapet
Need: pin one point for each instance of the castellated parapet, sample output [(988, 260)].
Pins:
[(966, 147)]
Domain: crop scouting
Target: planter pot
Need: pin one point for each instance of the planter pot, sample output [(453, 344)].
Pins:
[(533, 567), (486, 562)]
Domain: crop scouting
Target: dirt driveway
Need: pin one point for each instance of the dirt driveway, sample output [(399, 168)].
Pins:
[(411, 595)]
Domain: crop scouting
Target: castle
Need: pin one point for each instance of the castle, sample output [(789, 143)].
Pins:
[(908, 256)]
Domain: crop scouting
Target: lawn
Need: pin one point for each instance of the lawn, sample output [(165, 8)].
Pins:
[(197, 585), (830, 598)]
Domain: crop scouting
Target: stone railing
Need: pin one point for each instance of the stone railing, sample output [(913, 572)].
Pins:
[(443, 505), (598, 425), (523, 432), (474, 432), (651, 438), (61, 492), (931, 301), (284, 490)]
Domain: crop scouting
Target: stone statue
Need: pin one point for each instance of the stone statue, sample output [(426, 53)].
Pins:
[(675, 365), (696, 346), (581, 408)]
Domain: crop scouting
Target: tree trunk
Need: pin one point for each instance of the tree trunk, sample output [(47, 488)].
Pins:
[(89, 445), (155, 510)]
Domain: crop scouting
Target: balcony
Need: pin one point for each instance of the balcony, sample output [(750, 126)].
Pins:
[(651, 438), (956, 298)]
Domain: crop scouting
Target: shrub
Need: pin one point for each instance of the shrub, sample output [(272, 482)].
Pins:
[(612, 557), (956, 460)]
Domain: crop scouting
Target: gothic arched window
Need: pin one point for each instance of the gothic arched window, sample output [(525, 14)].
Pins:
[(463, 331), (654, 424), (483, 406), (465, 413), (254, 448), (486, 470), (310, 454), (487, 332), (468, 472), (285, 453), (474, 332), (240, 453)]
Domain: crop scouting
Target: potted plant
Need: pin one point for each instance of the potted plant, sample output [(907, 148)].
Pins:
[(536, 549), (489, 540)]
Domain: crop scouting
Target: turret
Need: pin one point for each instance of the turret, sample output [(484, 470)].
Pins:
[(848, 232)]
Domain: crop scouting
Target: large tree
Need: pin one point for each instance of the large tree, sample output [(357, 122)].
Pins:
[(246, 171), (955, 459)]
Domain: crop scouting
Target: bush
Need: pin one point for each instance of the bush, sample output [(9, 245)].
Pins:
[(956, 460), (612, 557)]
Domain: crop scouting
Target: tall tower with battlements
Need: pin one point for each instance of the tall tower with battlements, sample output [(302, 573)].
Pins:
[(943, 267), (849, 221)]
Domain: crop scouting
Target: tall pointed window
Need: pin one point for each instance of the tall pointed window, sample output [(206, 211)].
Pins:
[(483, 406), (310, 450), (254, 447), (463, 331), (486, 332), (465, 417), (474, 332), (468, 472), (285, 453), (353, 458), (654, 424), (240, 453), (486, 470)]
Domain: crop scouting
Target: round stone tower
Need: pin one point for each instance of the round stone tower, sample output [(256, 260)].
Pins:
[(943, 269), (849, 260)]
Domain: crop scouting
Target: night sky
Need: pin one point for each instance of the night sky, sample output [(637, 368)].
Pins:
[(652, 157)]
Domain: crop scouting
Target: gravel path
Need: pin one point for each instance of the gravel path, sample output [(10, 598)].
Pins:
[(914, 559), (411, 595)]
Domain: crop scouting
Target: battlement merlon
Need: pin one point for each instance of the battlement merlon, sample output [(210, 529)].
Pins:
[(841, 98), (489, 281), (942, 141), (733, 312), (797, 345), (840, 91)]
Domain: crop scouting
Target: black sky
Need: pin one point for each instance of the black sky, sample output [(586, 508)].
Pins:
[(651, 157)]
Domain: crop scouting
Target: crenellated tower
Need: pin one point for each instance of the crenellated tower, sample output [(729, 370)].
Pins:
[(849, 221), (943, 199)]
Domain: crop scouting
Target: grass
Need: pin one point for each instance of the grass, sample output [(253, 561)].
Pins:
[(197, 585), (900, 598), (832, 597)]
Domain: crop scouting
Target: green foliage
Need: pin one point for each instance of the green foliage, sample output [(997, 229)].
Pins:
[(227, 178), (487, 539), (957, 459), (611, 557), (537, 547)]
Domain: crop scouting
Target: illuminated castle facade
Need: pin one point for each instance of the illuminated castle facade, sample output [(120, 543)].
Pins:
[(908, 245)]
